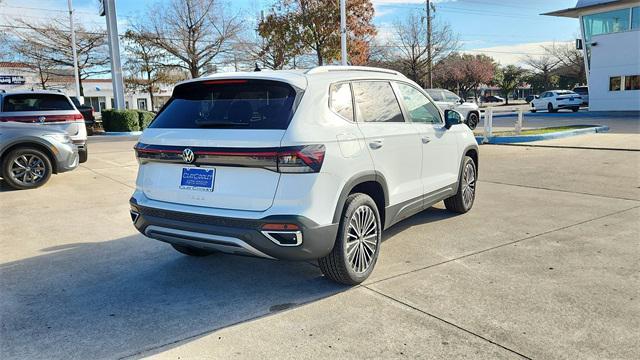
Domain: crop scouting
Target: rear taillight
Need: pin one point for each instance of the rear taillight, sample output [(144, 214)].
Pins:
[(301, 159)]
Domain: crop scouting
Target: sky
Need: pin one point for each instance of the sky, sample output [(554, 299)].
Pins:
[(507, 30)]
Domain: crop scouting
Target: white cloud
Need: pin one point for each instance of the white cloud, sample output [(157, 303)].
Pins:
[(515, 54)]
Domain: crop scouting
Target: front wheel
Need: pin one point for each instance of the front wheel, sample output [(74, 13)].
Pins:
[(357, 245), (463, 200), (550, 108), (472, 120), (26, 168)]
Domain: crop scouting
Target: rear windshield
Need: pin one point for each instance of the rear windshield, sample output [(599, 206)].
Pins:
[(565, 92), (228, 104), (35, 102), (581, 90)]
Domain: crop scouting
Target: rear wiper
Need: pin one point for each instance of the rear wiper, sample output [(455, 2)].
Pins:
[(220, 123)]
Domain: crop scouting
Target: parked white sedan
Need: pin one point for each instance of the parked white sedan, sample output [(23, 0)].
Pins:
[(555, 100)]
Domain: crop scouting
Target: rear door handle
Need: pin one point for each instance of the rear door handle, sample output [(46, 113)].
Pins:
[(426, 139), (376, 144)]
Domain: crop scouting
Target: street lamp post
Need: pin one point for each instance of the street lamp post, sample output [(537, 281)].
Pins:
[(73, 48), (108, 9), (343, 31)]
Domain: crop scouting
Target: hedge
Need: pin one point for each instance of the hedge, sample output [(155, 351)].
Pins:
[(120, 120), (145, 118)]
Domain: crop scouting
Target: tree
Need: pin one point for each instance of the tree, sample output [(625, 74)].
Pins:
[(411, 45), (316, 24), (49, 46), (464, 73), (37, 60), (508, 79), (193, 32), (145, 64), (543, 67), (282, 40), (570, 62)]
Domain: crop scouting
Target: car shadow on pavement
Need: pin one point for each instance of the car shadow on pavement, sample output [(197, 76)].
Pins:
[(123, 297), (431, 214), (120, 297)]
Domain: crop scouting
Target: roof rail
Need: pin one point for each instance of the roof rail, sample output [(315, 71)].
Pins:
[(329, 68)]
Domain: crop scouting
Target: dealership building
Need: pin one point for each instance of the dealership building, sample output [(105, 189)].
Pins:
[(611, 44)]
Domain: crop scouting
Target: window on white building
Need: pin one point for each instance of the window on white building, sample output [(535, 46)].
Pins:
[(604, 23), (632, 82), (615, 83), (635, 17)]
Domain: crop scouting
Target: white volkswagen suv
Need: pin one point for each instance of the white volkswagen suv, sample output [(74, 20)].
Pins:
[(299, 165)]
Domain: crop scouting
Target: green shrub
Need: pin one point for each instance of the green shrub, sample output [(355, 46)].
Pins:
[(145, 118), (120, 120)]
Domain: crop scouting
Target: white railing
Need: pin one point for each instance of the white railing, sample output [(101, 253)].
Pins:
[(488, 120)]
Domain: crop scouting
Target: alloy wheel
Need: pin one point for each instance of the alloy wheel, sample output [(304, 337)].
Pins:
[(28, 169), (362, 239), (468, 184)]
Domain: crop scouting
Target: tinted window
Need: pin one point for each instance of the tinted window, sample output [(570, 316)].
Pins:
[(376, 102), (340, 100), (36, 102), (420, 108), (228, 104), (581, 90), (436, 95), (615, 83)]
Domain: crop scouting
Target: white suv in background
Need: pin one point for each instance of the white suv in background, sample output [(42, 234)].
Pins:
[(555, 100), (299, 165), (52, 109), (447, 100)]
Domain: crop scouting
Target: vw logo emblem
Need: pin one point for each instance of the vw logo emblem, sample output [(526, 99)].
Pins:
[(41, 119), (188, 156)]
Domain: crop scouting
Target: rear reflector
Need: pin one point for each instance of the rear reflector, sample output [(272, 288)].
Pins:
[(280, 227)]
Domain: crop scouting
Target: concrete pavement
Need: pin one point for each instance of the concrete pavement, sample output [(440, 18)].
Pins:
[(545, 266)]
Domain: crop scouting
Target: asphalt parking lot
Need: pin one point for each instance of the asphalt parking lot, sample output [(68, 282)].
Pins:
[(545, 266)]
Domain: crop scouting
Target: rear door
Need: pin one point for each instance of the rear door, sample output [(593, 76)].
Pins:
[(394, 144), (223, 132), (440, 154), (54, 110)]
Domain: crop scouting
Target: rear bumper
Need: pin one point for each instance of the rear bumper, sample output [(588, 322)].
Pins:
[(232, 235), (66, 158), (569, 105)]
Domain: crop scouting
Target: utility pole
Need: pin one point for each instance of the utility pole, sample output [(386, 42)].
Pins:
[(429, 58), (343, 31), (73, 48), (108, 9)]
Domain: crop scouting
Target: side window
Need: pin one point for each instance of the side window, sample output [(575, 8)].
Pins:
[(420, 108), (36, 102), (376, 102), (340, 100)]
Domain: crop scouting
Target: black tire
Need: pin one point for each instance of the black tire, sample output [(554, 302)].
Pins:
[(337, 266), (551, 109), (472, 120), (83, 154), (575, 108), (457, 203), (43, 168), (192, 251)]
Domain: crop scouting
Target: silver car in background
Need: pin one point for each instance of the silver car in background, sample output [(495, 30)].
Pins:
[(30, 154)]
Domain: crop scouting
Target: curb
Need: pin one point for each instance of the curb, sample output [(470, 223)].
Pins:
[(548, 136), (120, 133)]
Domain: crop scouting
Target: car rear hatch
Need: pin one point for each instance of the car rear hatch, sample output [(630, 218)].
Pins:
[(52, 110), (215, 144)]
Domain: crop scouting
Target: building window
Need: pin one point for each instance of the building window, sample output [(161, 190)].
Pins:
[(614, 83), (635, 17), (632, 82), (604, 23)]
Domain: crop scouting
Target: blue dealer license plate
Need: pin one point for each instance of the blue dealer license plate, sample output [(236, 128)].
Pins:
[(197, 179)]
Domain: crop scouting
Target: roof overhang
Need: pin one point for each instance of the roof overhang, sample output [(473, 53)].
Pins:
[(575, 12)]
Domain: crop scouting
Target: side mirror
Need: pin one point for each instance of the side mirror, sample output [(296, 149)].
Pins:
[(451, 117), (537, 96)]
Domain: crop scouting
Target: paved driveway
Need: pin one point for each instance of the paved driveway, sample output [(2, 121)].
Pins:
[(545, 266)]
